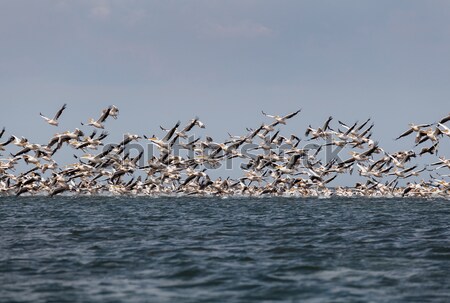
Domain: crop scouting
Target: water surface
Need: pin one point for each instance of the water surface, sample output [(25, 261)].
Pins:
[(103, 249)]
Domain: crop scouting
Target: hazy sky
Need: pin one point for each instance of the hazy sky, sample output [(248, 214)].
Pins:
[(225, 61)]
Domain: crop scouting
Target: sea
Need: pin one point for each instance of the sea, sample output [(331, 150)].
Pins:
[(187, 249)]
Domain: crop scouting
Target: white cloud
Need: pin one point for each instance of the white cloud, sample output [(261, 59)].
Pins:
[(135, 16), (101, 10), (245, 29)]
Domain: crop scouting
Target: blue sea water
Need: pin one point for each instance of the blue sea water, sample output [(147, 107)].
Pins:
[(105, 249)]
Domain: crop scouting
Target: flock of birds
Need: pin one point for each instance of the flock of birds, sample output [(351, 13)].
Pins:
[(271, 164)]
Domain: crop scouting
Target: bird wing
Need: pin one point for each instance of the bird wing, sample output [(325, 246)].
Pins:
[(270, 116), (350, 129), (190, 125), (366, 131), (44, 117), (330, 179), (406, 133), (362, 125), (104, 115), (171, 132), (58, 114), (102, 136), (370, 151), (440, 124), (343, 124), (445, 119), (292, 114), (325, 125)]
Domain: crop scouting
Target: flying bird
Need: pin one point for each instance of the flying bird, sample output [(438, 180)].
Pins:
[(99, 122), (54, 121), (412, 128), (114, 112), (281, 119)]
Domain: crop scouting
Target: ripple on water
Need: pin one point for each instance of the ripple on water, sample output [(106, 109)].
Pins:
[(241, 250)]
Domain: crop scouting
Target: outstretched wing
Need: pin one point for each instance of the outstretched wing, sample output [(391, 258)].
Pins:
[(104, 115), (409, 131), (289, 116), (58, 114)]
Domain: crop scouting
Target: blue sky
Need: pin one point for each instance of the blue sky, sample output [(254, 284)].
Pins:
[(225, 61)]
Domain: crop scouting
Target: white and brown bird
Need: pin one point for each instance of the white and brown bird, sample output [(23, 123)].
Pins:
[(54, 121), (412, 128), (99, 122), (281, 119), (114, 112)]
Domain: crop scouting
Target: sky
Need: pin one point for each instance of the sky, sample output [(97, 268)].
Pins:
[(224, 61)]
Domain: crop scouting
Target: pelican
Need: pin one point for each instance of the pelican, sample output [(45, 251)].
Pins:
[(30, 159), (98, 123), (192, 123), (278, 165), (442, 162), (361, 156), (114, 112), (54, 121), (412, 128), (429, 134), (281, 119), (429, 150)]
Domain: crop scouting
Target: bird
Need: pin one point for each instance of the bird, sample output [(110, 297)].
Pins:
[(98, 123), (281, 119), (429, 150), (270, 163), (412, 128), (114, 112), (54, 121)]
